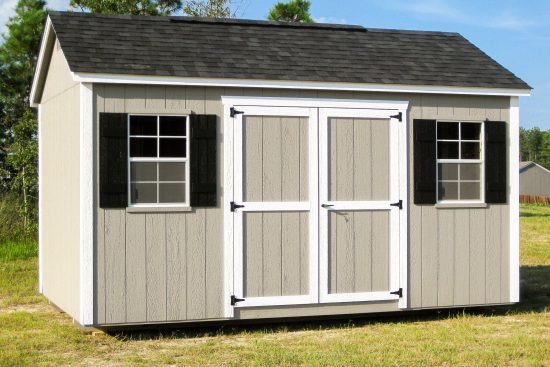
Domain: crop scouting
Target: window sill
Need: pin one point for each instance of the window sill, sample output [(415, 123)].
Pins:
[(158, 209), (460, 205)]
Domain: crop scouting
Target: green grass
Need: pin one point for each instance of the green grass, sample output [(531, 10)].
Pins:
[(34, 333)]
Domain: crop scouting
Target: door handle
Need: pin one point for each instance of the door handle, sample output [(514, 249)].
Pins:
[(327, 205)]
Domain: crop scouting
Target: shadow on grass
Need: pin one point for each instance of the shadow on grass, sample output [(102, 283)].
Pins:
[(526, 215), (535, 297)]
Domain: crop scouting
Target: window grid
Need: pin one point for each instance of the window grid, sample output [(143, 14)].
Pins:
[(157, 160), (461, 161)]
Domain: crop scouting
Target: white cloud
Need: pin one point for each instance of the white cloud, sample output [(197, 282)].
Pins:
[(7, 9), (446, 10), (332, 20)]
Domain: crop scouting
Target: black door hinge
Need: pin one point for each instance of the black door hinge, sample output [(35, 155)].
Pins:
[(399, 204), (233, 112), (398, 293), (234, 300), (399, 116), (234, 206)]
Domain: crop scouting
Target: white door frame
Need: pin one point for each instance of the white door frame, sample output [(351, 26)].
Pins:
[(397, 188), (231, 272)]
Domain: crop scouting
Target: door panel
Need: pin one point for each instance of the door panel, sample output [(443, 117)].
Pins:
[(359, 159), (359, 228), (275, 230), (359, 251), (275, 158), (276, 254)]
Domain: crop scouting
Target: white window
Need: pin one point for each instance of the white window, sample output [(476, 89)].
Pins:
[(158, 152), (460, 161)]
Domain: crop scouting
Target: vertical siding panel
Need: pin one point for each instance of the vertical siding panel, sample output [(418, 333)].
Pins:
[(195, 97), (429, 256), (155, 101), (381, 160), (196, 264), (115, 263), (290, 253), (380, 250), (493, 264), (155, 238), (505, 254), (462, 257), (253, 254), (304, 253), (477, 256), (253, 158), (176, 270), (445, 107), (477, 108), (272, 232), (429, 106), (214, 219), (136, 278), (445, 283), (99, 253), (135, 97), (175, 99), (363, 251), (114, 98), (304, 159)]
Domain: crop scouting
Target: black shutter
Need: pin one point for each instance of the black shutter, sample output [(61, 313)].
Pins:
[(495, 162), (425, 161), (113, 160), (203, 160)]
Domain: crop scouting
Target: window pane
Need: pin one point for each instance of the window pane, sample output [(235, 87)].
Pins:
[(143, 193), (172, 148), (172, 125), (140, 171), (448, 191), (143, 147), (447, 130), (470, 171), (470, 151), (469, 190), (143, 125), (172, 171), (447, 150), (470, 131), (448, 171), (172, 193)]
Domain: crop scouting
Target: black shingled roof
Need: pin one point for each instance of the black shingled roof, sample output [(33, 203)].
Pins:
[(244, 49)]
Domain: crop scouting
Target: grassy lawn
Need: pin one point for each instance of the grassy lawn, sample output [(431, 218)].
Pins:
[(33, 333)]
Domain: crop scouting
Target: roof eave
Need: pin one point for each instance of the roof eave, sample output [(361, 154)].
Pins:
[(44, 54)]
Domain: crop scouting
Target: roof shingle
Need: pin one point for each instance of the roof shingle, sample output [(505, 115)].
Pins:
[(243, 49)]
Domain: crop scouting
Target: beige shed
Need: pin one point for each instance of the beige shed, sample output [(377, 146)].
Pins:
[(198, 170)]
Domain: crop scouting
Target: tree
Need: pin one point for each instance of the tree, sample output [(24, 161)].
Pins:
[(134, 7), (18, 153), (292, 11), (209, 8)]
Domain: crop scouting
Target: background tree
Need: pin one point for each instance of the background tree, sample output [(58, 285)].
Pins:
[(18, 153), (209, 8), (292, 11), (135, 7), (535, 146)]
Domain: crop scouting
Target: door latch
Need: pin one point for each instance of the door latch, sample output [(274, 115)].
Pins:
[(326, 205)]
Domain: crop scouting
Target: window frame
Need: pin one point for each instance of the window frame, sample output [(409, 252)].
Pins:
[(158, 159), (480, 161)]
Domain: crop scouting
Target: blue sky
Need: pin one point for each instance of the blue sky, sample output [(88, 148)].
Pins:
[(515, 33)]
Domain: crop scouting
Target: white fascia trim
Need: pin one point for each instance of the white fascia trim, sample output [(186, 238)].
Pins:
[(40, 220), (283, 84), (315, 103), (40, 62), (514, 198), (86, 205)]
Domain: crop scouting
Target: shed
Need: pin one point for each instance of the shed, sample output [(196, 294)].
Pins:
[(534, 179), (196, 170)]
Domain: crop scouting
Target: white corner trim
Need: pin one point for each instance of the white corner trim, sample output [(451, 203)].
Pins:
[(283, 84), (513, 172), (40, 61), (228, 255), (86, 206), (40, 222)]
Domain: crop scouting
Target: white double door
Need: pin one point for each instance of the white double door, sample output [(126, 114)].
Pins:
[(315, 205)]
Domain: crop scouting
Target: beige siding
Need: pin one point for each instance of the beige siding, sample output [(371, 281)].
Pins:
[(534, 180), (60, 137), (457, 256)]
